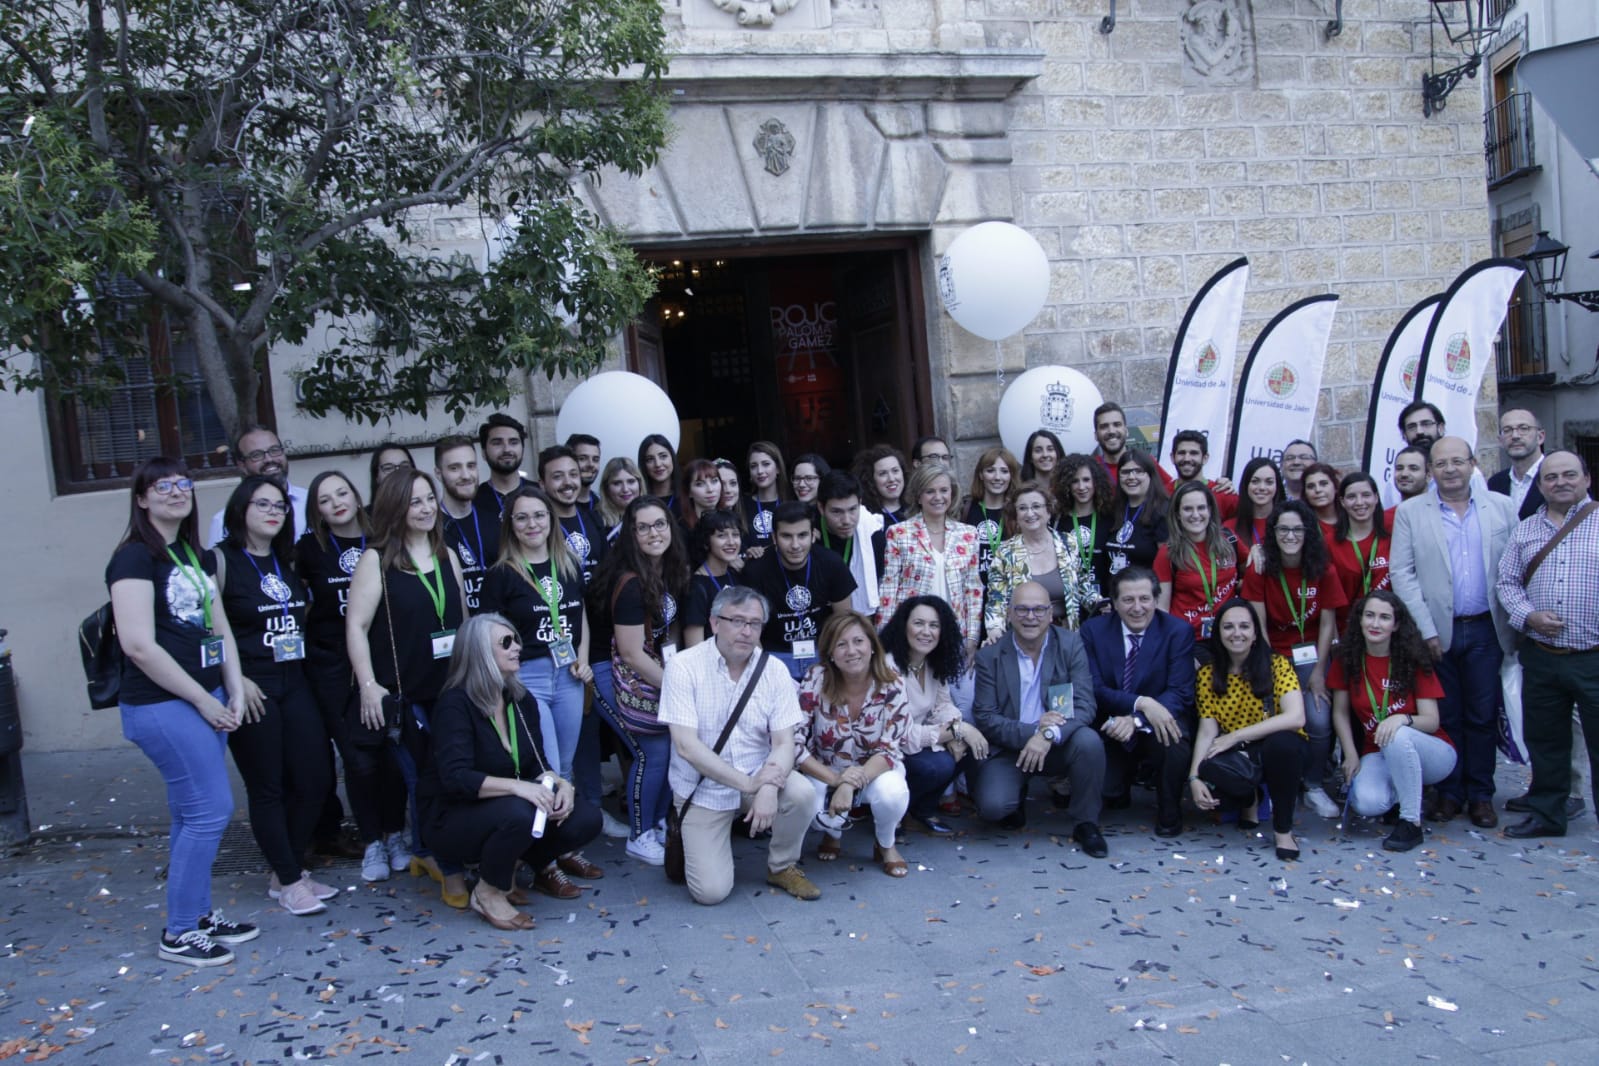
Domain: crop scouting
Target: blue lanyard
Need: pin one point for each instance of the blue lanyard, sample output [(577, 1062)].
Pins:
[(276, 569), (477, 529), (784, 571), (715, 583)]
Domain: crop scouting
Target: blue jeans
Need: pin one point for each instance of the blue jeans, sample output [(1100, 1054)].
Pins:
[(1397, 774), (648, 790), (560, 699), (928, 773), (1469, 711), (192, 758), (586, 759)]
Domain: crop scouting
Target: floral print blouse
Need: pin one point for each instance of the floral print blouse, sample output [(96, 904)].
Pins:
[(828, 732)]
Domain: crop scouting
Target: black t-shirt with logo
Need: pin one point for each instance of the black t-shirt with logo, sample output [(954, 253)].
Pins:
[(506, 592), (630, 610), (179, 617), (476, 540), (585, 539), (800, 600), (264, 599), (702, 589), (1133, 543), (757, 521), (326, 570)]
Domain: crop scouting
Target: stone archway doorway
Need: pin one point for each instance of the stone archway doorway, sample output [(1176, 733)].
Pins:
[(817, 347)]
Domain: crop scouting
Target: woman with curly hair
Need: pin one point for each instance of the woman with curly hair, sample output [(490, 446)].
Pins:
[(1383, 679), (1086, 498), (638, 588), (1296, 597), (924, 647), (1197, 566)]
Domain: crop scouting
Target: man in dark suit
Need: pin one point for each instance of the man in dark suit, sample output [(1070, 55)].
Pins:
[(1142, 660), (1034, 702), (1522, 438)]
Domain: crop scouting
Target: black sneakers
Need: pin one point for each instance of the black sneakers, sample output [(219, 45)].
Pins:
[(194, 948), (1405, 836), (220, 929)]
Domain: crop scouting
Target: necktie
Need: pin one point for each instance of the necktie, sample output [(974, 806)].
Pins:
[(1130, 666)]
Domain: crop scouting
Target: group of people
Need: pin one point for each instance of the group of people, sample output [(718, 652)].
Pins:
[(793, 647)]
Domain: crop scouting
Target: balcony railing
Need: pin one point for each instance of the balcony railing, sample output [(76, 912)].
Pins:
[(1508, 139), (1522, 343)]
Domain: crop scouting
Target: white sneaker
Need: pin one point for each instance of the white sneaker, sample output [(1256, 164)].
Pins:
[(613, 826), (298, 899), (399, 852), (1318, 800), (375, 863), (317, 887), (647, 849)]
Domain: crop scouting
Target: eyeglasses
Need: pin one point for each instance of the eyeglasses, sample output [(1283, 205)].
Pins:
[(1428, 424), (266, 506), (528, 518), (1517, 431), (509, 641), (743, 625), (168, 485), (1022, 611), (274, 452), (389, 468), (660, 525), (805, 479), (1291, 532), (936, 457)]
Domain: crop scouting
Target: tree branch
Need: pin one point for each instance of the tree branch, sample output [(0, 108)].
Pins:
[(41, 71)]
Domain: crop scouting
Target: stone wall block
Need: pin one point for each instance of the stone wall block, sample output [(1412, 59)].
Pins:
[(779, 199), (1395, 38), (1318, 105), (1161, 236), (711, 199), (1215, 173), (1421, 166), (1230, 142), (1412, 227), (1071, 112), (1007, 34), (913, 178), (1090, 241), (1363, 263), (978, 194), (1067, 282), (1207, 109), (1122, 144), (1061, 76), (1155, 175), (1181, 203), (1266, 268), (1446, 258), (1119, 205), (1346, 196), (1146, 379), (1279, 72), (846, 166), (1161, 274), (1392, 194), (1268, 232), (1369, 228), (1267, 172), (1145, 112), (1371, 167), (1472, 222), (1373, 105), (1265, 107), (1367, 293), (640, 207), (1324, 169), (1312, 265), (1350, 141), (967, 118), (1376, 71), (1047, 208), (1282, 140), (1351, 402), (1215, 234), (1439, 192), (1319, 231), (1110, 279), (974, 400), (1290, 200), (1337, 443), (1115, 77)]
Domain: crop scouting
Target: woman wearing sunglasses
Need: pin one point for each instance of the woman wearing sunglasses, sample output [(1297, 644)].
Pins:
[(179, 656), (489, 795)]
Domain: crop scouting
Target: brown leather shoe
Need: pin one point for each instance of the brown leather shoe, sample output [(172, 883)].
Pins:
[(552, 882), (1483, 815), (576, 865), (1448, 809)]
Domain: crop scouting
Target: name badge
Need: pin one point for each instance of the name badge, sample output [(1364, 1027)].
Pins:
[(1204, 628), (288, 648), (804, 650), (1061, 699), (562, 652), (212, 652), (1305, 654), (668, 653), (443, 643)]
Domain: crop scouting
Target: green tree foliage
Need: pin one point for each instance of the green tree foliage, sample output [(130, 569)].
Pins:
[(275, 171)]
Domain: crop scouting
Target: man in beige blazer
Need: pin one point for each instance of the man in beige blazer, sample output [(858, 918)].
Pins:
[(1443, 564)]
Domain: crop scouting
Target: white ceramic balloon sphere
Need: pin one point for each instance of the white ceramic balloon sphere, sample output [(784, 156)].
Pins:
[(621, 409), (1056, 398), (994, 279)]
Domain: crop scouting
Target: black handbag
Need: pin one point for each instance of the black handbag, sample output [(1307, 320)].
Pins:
[(676, 867), (361, 734), (102, 657), (1235, 774)]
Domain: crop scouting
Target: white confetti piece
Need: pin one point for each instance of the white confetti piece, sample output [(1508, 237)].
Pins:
[(1346, 904), (1441, 1003)]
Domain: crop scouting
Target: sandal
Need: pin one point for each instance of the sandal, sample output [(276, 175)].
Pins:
[(829, 849), (891, 867)]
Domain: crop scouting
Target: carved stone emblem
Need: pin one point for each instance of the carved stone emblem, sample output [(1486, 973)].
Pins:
[(756, 12), (776, 145), (1218, 41)]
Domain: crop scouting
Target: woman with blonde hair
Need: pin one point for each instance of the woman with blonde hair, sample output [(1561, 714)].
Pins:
[(620, 484)]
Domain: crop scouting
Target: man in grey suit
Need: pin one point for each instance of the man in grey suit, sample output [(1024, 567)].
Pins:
[(1034, 702), (1443, 565)]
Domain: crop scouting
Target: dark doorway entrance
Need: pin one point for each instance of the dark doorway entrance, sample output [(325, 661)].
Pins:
[(818, 351)]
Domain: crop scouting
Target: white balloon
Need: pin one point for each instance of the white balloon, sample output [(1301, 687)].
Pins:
[(1056, 398), (621, 409), (994, 279)]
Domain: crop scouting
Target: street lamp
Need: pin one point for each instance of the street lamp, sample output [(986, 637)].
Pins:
[(1546, 262), (1468, 25)]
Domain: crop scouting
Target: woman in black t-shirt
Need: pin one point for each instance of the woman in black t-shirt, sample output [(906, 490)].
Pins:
[(406, 602), (638, 588), (179, 656), (280, 746), (1086, 500), (1138, 526), (715, 547)]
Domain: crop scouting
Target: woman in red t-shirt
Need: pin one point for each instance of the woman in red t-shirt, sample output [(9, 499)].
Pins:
[(1260, 488), (1321, 492), (1296, 597), (1197, 566), (1360, 540), (1383, 680)]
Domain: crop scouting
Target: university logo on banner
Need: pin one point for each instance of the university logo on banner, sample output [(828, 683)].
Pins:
[(1282, 381), (1206, 361), (1453, 357), (1457, 357)]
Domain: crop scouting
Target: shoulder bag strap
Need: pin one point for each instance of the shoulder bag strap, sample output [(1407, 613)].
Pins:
[(732, 720), (388, 613), (1536, 561)]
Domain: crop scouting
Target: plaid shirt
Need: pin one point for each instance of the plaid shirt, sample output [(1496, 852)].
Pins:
[(1566, 582)]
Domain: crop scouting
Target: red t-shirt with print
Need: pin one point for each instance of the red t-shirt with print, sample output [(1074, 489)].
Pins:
[(1310, 598), (1426, 687), (1188, 599)]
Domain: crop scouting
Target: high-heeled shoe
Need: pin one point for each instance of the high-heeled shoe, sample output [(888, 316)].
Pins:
[(457, 898), (517, 924), (425, 866), (1288, 854)]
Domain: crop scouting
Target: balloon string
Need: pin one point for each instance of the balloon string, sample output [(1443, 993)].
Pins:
[(999, 365)]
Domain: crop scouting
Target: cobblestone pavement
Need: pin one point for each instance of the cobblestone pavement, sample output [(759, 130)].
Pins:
[(997, 948)]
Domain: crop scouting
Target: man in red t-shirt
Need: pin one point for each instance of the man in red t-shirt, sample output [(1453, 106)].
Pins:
[(1189, 453)]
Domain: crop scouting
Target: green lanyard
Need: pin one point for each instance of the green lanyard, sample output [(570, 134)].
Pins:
[(1379, 713), (994, 537), (196, 577), (1085, 551), (1301, 616), (435, 588), (1207, 581), (553, 602), (1365, 561), (516, 744), (827, 542)]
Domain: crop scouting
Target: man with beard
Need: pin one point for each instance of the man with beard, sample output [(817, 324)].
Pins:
[(586, 450), (1189, 453), (847, 530), (259, 451), (561, 474), (1110, 430), (1410, 478), (1522, 438), (471, 524), (1297, 456), (502, 439), (1421, 423)]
